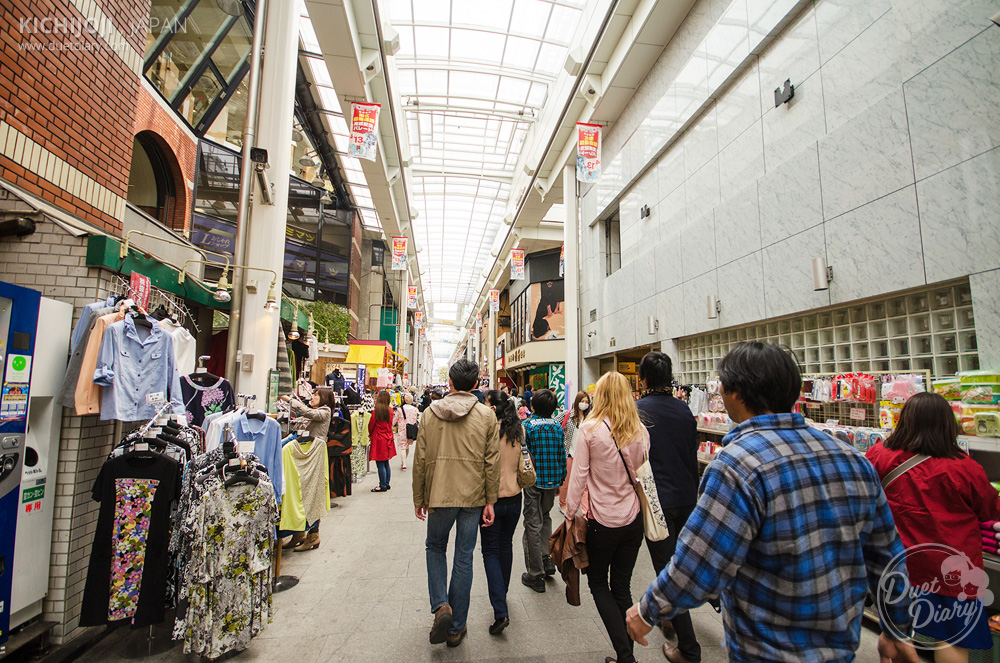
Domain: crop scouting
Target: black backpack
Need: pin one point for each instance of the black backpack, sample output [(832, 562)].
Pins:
[(411, 429)]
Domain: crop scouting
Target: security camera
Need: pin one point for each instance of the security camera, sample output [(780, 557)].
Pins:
[(996, 19)]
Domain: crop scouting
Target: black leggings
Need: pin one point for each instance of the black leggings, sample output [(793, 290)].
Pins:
[(613, 550)]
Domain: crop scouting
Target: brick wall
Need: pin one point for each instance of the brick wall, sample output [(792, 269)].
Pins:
[(53, 262), (179, 146), (67, 100)]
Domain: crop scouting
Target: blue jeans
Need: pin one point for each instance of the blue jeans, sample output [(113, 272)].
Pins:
[(498, 551), (383, 473), (439, 524)]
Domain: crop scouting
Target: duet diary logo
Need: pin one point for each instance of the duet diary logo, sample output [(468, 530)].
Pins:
[(958, 578)]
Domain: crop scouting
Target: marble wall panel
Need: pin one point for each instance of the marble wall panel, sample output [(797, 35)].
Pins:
[(695, 292), (671, 212), (866, 158), (861, 74), (960, 218), (739, 106), (702, 190), (741, 163), (741, 290), (876, 248), (986, 308), (691, 84), (839, 22), (670, 312), (795, 126), (931, 29), (790, 199), (701, 142), (667, 268), (737, 226), (787, 274), (728, 44), (644, 271), (794, 54), (953, 106), (698, 246), (670, 170), (764, 15)]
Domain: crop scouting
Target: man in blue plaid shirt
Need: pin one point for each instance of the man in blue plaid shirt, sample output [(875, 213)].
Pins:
[(543, 436), (792, 528)]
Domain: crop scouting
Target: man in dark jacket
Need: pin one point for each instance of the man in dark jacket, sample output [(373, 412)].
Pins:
[(673, 456)]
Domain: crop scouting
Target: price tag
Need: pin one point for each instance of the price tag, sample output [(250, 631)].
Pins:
[(234, 462), (141, 446), (157, 398), (812, 406), (858, 413), (248, 446)]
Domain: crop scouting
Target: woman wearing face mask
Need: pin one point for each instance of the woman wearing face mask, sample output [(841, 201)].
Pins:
[(571, 422), (497, 539)]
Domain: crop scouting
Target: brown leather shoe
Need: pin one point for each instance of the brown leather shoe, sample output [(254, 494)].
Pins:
[(442, 624), (455, 639), (673, 654), (311, 543), (297, 540), (668, 630)]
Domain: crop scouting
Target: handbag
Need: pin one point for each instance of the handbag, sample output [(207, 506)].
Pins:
[(526, 476), (654, 523)]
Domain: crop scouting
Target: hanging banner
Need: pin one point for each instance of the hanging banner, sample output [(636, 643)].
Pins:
[(494, 300), (411, 296), (399, 253), (418, 319), (562, 260), (139, 287), (517, 264), (364, 136), (588, 152)]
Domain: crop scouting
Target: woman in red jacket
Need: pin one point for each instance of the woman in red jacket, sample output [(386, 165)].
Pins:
[(383, 447), (940, 500)]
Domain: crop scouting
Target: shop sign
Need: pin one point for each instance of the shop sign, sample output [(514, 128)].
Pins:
[(503, 320), (537, 352), (411, 296), (517, 264), (399, 253), (139, 287), (588, 152), (364, 137), (300, 235), (858, 413), (494, 300), (626, 367)]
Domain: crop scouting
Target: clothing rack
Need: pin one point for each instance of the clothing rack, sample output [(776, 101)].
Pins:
[(122, 287)]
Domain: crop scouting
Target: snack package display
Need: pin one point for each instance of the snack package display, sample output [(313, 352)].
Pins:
[(987, 424), (949, 388)]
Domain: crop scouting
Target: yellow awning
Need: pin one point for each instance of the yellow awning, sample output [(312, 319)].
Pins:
[(370, 355)]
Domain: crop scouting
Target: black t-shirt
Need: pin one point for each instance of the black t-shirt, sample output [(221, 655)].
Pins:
[(127, 578)]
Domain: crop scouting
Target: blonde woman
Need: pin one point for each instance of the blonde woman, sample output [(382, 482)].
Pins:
[(610, 438)]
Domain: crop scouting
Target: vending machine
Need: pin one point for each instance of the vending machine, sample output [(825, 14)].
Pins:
[(18, 324)]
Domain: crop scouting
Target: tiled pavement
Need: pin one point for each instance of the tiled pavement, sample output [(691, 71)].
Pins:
[(362, 596)]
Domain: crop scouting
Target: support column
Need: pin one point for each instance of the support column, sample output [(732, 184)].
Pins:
[(491, 350), (571, 281), (266, 235), (401, 316)]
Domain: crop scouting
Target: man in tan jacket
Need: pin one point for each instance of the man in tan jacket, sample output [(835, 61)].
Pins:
[(456, 480)]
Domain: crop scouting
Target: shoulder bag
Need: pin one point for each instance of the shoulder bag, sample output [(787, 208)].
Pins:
[(526, 476), (902, 469), (654, 523), (411, 429)]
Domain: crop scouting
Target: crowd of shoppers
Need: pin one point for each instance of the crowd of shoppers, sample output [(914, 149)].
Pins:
[(788, 528)]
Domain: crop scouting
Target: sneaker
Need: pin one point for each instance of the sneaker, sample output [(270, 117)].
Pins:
[(497, 627), (549, 566), (537, 584), (455, 639), (442, 624)]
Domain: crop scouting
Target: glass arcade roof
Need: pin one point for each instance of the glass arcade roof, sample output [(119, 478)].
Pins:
[(473, 78)]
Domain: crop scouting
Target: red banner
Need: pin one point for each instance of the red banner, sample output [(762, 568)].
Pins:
[(139, 288), (494, 300), (588, 152), (364, 131), (411, 296), (399, 253), (517, 264)]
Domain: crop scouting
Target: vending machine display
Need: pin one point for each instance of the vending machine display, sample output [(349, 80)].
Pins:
[(18, 322)]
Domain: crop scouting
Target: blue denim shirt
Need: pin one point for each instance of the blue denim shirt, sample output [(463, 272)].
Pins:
[(137, 375), (266, 437)]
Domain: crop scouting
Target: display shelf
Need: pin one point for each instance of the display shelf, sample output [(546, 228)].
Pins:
[(991, 561), (979, 443), (713, 430), (930, 330)]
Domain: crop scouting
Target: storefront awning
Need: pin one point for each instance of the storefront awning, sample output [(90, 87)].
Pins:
[(369, 353)]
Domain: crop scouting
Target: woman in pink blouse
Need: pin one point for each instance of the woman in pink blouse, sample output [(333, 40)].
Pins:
[(611, 437)]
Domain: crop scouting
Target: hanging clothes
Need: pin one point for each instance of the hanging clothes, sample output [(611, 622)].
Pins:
[(340, 447), (262, 438), (87, 394), (78, 345), (360, 442), (185, 351), (137, 371), (307, 485), (127, 576), (201, 400), (217, 352), (284, 366), (227, 576)]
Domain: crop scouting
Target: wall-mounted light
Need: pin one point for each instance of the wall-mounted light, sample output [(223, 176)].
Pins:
[(653, 323), (782, 95), (713, 306), (822, 274)]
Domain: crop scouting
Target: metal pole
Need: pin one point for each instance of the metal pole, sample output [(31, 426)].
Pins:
[(571, 281), (246, 187), (401, 344)]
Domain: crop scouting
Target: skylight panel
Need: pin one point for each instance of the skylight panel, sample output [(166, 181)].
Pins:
[(476, 45), (494, 14), (520, 53), (550, 59), (530, 18), (308, 34), (562, 24), (432, 42), (432, 81)]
